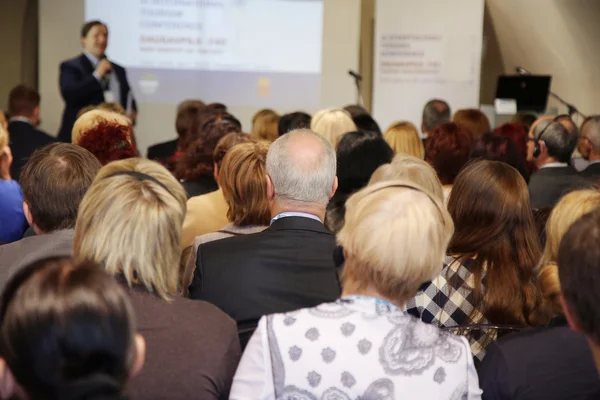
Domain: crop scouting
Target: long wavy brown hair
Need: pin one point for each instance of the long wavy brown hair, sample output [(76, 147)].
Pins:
[(494, 226)]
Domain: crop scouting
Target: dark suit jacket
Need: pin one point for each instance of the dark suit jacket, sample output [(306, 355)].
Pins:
[(548, 185), (192, 348), (551, 364), (592, 172), (24, 140), (285, 267), (161, 152), (80, 88)]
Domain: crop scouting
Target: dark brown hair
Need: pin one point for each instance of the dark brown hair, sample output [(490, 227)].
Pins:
[(87, 27), (22, 100), (578, 260), (447, 149), (494, 225), (474, 120), (187, 112), (54, 181), (227, 142), (67, 329)]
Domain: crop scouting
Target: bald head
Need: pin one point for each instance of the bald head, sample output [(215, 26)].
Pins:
[(568, 123), (534, 126), (591, 132), (302, 167)]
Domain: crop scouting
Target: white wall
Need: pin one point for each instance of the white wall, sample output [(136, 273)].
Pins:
[(60, 22)]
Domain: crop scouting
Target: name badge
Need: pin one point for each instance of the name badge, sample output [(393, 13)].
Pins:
[(109, 97)]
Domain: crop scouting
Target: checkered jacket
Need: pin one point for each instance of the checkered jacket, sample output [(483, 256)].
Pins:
[(450, 303)]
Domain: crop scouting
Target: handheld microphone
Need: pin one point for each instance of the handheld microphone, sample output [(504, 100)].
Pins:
[(355, 75), (522, 71)]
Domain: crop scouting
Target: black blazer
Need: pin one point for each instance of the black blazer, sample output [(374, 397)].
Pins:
[(24, 140), (80, 88), (285, 267), (161, 152), (592, 172), (551, 364), (548, 185)]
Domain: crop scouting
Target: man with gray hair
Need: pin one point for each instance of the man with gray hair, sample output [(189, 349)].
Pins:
[(435, 112), (290, 264), (550, 147), (590, 143)]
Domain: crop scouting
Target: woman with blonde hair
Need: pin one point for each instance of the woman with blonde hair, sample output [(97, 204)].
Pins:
[(12, 218), (364, 345), (130, 222), (332, 124), (403, 137), (265, 125)]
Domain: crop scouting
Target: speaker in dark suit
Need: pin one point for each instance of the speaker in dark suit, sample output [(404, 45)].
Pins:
[(90, 79), (25, 137)]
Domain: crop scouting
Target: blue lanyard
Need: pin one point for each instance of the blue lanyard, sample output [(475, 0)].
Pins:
[(377, 300)]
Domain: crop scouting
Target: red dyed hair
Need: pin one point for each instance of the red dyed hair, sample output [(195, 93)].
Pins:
[(108, 141), (447, 149), (515, 132)]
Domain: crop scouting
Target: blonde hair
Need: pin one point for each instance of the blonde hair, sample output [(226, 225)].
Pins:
[(332, 124), (3, 140), (395, 238), (412, 169), (568, 210), (132, 225), (265, 125), (403, 137), (92, 118), (242, 180)]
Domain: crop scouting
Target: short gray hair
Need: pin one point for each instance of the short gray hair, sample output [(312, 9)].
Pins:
[(559, 142), (298, 173), (435, 112)]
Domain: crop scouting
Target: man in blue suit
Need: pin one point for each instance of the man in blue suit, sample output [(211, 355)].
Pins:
[(91, 79)]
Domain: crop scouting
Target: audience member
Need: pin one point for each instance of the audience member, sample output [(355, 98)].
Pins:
[(195, 167), (403, 138), (25, 137), (413, 169), (518, 135), (365, 123), (187, 110), (550, 363), (500, 148), (244, 190), (293, 121), (526, 120), (488, 275), (208, 212), (3, 120), (448, 148), (435, 113), (54, 181), (550, 148), (12, 219), (105, 134), (590, 143), (581, 148), (67, 331), (365, 337), (130, 222), (332, 124), (290, 264), (355, 110), (265, 125), (474, 120), (578, 259), (358, 156)]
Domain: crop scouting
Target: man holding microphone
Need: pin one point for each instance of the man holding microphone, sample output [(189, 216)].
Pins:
[(91, 79)]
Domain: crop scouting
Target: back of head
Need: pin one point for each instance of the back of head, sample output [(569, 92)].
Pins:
[(332, 124), (302, 167), (358, 156), (130, 221), (515, 132), (265, 125), (500, 148), (559, 142), (293, 121), (22, 101), (114, 107), (568, 210), (591, 132), (67, 331), (566, 121), (578, 260), (395, 237), (474, 120), (187, 112), (435, 112), (242, 179), (355, 110), (54, 181), (366, 123), (448, 149), (403, 137), (226, 143), (412, 169)]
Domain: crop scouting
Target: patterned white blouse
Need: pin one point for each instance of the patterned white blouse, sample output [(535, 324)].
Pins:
[(355, 348)]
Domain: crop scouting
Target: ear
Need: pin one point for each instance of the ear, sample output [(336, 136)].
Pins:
[(423, 128), (543, 148), (270, 189), (571, 319), (216, 172), (140, 356), (27, 213), (36, 112), (334, 187), (8, 385)]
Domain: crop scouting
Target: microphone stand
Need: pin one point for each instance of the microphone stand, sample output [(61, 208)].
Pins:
[(359, 97), (572, 109)]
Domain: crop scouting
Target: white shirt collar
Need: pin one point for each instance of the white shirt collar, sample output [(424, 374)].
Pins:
[(555, 165), (295, 214), (594, 162), (93, 59), (20, 119)]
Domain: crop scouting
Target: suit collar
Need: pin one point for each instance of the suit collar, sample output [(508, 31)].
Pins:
[(86, 63), (562, 170), (298, 223)]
